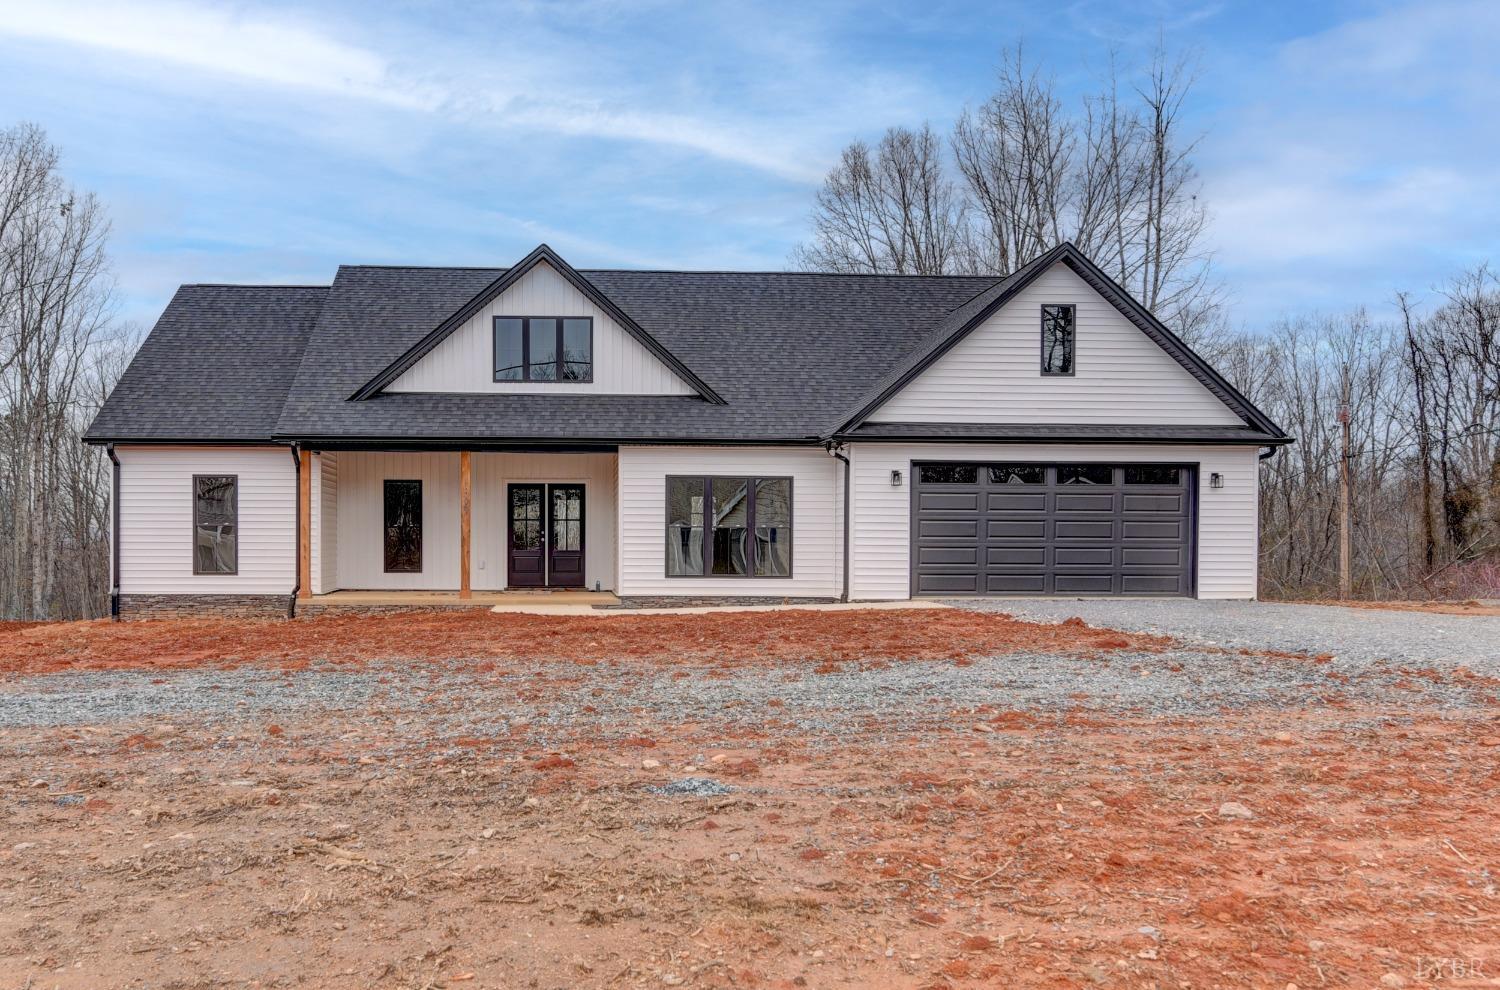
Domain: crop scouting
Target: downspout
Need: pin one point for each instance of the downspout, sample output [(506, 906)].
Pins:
[(291, 602), (833, 448), (1267, 454), (114, 536)]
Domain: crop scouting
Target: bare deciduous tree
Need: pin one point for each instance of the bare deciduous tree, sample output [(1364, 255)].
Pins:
[(892, 210), (1424, 412), (1016, 155), (56, 362), (1118, 180)]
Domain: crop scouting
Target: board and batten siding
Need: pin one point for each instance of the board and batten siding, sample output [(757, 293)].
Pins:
[(643, 510), (360, 540), (493, 473), (464, 360), (156, 520), (354, 511), (324, 530), (994, 374), (881, 517)]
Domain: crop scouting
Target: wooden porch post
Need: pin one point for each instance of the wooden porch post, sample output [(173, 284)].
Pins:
[(304, 526), (465, 504)]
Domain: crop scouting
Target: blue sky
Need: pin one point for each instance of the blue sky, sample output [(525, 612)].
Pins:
[(1348, 148)]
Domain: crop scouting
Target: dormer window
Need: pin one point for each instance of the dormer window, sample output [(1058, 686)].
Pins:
[(544, 349), (1057, 340)]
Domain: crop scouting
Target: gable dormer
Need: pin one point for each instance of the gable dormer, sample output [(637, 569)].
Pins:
[(541, 328)]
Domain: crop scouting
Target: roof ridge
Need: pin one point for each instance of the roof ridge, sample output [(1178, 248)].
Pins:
[(685, 271), (254, 285)]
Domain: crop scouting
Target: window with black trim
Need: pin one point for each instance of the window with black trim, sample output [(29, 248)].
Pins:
[(544, 349), (1057, 339), (216, 524), (403, 527), (729, 527)]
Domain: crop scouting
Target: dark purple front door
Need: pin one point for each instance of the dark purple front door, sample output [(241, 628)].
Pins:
[(546, 536), (528, 537)]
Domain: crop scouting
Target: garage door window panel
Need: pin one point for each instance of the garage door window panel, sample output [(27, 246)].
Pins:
[(949, 474)]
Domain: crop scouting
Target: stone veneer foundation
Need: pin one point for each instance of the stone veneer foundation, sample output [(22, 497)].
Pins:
[(203, 606)]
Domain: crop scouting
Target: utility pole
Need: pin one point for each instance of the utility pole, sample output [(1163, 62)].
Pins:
[(1346, 589)]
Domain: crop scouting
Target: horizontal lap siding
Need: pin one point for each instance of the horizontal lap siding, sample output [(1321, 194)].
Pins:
[(881, 523), (642, 519), (994, 374), (494, 472), (360, 541), (464, 360), (156, 520)]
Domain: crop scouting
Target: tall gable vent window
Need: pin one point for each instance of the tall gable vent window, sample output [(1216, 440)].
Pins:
[(403, 527), (1057, 340), (216, 524), (729, 527), (544, 349)]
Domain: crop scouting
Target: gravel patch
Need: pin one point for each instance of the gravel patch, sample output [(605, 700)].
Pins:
[(612, 700), (1354, 636), (692, 787)]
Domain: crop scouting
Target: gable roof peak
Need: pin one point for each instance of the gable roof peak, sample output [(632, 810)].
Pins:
[(507, 278), (965, 318)]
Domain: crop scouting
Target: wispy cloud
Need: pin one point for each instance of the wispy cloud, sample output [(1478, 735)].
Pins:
[(277, 50), (512, 89), (1368, 152)]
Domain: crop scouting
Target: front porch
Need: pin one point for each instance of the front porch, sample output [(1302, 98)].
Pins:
[(390, 528)]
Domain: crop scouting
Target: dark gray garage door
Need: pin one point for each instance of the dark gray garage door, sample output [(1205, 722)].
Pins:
[(1053, 529)]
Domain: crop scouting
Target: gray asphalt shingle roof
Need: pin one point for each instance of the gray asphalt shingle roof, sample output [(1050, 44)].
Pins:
[(216, 366), (787, 351), (790, 353)]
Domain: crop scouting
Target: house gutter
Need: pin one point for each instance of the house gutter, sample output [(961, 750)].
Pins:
[(291, 602), (833, 448), (1268, 453), (114, 535)]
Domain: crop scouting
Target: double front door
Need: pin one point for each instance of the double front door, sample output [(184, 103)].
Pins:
[(545, 540)]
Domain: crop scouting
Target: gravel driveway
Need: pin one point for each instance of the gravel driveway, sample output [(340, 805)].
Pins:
[(1352, 635)]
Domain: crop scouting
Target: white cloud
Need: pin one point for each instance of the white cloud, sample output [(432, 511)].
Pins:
[(276, 50), (506, 87)]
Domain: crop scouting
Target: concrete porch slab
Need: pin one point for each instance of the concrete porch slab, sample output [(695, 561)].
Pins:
[(449, 599), (548, 608)]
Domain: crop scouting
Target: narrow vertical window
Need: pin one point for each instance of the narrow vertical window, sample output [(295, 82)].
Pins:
[(216, 511), (731, 524), (403, 527), (577, 350), (773, 527), (1057, 340), (510, 353)]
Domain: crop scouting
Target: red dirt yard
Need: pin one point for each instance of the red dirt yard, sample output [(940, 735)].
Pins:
[(727, 637), (316, 810)]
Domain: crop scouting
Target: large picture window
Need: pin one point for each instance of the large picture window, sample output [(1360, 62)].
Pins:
[(216, 524), (544, 349), (403, 527), (1057, 340), (729, 527)]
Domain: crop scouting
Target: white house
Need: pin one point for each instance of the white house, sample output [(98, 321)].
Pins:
[(676, 436)]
